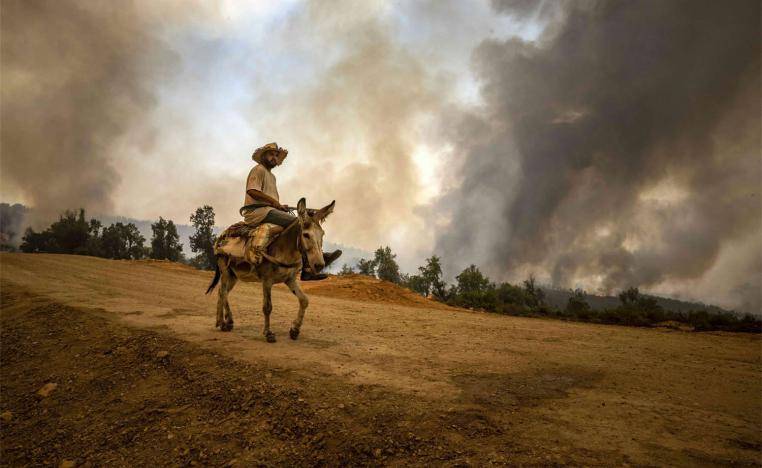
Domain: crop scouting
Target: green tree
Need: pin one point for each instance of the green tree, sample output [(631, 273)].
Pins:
[(94, 241), (415, 283), (510, 295), (71, 232), (135, 241), (346, 270), (577, 305), (366, 267), (34, 242), (471, 280), (474, 290), (165, 244), (535, 297), (629, 296), (122, 241), (69, 235), (202, 241), (114, 242), (386, 267), (431, 275)]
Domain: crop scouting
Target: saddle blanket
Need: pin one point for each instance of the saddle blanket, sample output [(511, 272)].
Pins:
[(240, 240)]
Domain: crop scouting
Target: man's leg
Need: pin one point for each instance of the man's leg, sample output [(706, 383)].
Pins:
[(330, 257), (262, 235), (281, 218), (284, 219), (309, 275)]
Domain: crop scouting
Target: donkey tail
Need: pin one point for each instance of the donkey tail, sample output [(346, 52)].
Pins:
[(215, 280)]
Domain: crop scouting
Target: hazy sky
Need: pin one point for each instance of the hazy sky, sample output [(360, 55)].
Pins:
[(497, 133)]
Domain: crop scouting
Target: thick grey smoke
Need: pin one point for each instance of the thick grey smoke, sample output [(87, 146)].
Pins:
[(75, 77), (355, 122), (622, 148)]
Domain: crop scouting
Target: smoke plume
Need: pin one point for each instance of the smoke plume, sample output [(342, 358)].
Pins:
[(75, 77), (354, 125), (621, 148)]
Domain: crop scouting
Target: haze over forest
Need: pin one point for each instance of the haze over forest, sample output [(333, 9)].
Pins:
[(596, 144)]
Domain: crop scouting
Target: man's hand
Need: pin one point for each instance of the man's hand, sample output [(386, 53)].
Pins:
[(262, 197)]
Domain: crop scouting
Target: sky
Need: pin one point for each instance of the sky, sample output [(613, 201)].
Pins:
[(594, 144)]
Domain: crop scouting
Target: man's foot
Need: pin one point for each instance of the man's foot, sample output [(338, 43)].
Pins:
[(309, 276), (329, 257)]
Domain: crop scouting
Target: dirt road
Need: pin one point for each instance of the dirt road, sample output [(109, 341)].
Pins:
[(143, 378)]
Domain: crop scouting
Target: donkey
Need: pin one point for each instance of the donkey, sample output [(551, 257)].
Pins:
[(281, 264)]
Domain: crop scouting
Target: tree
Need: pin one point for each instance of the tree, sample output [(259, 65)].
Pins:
[(386, 267), (94, 241), (114, 242), (471, 280), (202, 240), (122, 241), (165, 244), (629, 296), (634, 303), (535, 296), (509, 294), (474, 290), (135, 240), (431, 275), (415, 283), (366, 267), (71, 232), (33, 242), (69, 235), (577, 305), (346, 270)]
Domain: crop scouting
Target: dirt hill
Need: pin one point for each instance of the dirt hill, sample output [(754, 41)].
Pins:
[(116, 363), (352, 287), (366, 289)]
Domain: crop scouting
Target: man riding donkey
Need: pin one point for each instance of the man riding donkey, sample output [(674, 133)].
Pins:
[(270, 246), (262, 207)]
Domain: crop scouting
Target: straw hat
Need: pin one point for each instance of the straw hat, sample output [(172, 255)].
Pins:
[(282, 152)]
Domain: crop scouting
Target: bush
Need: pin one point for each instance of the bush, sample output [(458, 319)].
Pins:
[(386, 267), (346, 270), (577, 306), (366, 267)]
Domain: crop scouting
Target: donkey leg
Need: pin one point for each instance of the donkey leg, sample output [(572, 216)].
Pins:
[(303, 303), (221, 293), (228, 321), (267, 308)]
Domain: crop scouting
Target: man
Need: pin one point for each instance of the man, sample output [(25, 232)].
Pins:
[(262, 205)]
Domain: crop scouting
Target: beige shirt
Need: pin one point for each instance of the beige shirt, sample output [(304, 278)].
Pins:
[(263, 180)]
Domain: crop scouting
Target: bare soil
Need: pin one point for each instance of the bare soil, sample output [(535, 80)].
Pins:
[(366, 289), (377, 377)]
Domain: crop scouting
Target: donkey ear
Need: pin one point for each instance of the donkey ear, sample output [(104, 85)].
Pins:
[(301, 209), (324, 212)]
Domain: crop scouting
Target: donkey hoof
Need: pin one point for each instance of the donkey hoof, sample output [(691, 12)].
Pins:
[(293, 333), (226, 326), (270, 337)]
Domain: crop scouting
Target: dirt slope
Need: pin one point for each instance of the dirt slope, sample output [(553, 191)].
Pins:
[(367, 382), (367, 289)]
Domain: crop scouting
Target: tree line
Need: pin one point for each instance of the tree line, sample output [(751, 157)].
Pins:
[(474, 290), (73, 234)]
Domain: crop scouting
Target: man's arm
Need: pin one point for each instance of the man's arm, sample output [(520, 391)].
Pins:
[(264, 198)]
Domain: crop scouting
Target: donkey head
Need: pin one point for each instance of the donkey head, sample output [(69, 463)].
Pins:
[(312, 232)]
